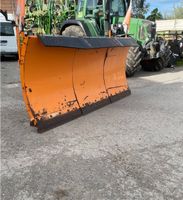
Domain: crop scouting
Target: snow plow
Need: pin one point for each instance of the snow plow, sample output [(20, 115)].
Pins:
[(65, 77)]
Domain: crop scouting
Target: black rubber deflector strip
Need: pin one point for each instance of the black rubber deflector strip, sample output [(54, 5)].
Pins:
[(95, 106), (120, 95), (44, 125)]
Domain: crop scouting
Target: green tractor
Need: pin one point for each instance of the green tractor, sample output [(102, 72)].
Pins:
[(155, 52), (104, 18), (96, 18)]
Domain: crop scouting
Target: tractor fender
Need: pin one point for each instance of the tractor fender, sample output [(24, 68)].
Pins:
[(77, 23)]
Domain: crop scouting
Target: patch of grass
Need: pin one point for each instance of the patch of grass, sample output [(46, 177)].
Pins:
[(179, 63)]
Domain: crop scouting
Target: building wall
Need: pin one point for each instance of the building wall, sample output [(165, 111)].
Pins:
[(8, 5)]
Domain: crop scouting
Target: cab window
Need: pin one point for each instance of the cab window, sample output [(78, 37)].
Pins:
[(142, 33), (118, 7), (80, 5)]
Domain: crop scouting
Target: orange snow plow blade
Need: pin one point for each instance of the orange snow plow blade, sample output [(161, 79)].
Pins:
[(63, 78)]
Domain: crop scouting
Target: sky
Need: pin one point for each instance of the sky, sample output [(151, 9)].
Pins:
[(164, 6)]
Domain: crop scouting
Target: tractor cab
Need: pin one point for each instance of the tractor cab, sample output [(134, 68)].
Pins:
[(143, 30), (102, 15), (147, 31)]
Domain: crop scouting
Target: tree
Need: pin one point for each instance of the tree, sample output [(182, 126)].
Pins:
[(140, 8), (155, 15), (177, 12)]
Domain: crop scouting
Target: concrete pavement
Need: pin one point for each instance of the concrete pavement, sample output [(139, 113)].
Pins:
[(131, 149)]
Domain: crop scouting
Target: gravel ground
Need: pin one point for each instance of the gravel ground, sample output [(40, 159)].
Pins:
[(131, 149)]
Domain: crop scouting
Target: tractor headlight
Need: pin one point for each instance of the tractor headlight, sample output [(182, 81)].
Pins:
[(119, 25), (117, 29)]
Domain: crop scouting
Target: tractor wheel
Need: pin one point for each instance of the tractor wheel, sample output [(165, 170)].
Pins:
[(73, 30), (133, 61), (16, 56), (159, 64), (167, 56), (153, 65)]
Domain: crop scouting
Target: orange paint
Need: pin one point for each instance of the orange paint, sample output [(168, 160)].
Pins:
[(20, 11), (88, 76), (114, 71), (57, 80), (126, 22)]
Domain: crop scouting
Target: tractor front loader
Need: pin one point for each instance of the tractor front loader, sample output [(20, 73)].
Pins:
[(65, 76)]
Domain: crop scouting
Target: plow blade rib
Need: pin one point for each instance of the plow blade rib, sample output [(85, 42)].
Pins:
[(88, 79), (48, 85), (60, 84), (114, 73)]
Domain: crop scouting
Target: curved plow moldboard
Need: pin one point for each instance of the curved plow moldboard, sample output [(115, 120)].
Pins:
[(60, 83)]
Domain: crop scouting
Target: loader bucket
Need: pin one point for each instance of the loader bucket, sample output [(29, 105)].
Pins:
[(63, 78)]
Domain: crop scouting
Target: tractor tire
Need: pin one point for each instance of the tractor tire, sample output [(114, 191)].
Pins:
[(153, 65), (159, 64), (16, 57), (167, 56), (74, 31), (164, 59), (133, 61)]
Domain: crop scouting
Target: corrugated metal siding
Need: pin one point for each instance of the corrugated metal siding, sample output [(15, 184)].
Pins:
[(8, 5), (169, 25)]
